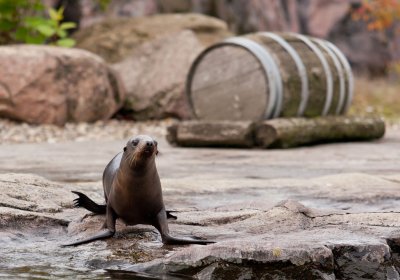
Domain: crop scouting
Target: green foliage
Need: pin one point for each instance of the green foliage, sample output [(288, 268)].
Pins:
[(104, 4), (24, 21)]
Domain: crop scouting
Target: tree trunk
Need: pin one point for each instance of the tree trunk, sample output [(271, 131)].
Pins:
[(292, 132), (212, 134), (275, 133)]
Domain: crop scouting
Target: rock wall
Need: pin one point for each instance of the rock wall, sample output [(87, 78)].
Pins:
[(368, 51)]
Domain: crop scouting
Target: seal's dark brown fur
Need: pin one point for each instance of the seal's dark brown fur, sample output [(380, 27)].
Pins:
[(132, 191)]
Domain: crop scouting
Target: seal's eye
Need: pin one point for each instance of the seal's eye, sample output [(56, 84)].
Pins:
[(135, 142)]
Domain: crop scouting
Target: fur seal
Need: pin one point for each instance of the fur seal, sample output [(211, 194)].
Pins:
[(132, 190)]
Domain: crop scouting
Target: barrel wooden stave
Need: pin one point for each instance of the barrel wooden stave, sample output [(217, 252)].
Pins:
[(316, 76), (290, 78)]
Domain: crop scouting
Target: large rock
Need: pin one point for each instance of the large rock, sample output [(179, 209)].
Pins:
[(42, 84), (28, 200), (92, 12), (289, 240), (115, 39), (324, 15), (155, 74)]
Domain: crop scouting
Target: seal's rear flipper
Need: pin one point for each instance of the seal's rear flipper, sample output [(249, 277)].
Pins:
[(101, 235), (87, 203)]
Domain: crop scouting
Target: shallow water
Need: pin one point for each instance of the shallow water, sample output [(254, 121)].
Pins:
[(36, 254), (49, 272)]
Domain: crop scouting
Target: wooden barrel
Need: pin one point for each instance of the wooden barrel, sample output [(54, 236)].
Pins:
[(267, 75)]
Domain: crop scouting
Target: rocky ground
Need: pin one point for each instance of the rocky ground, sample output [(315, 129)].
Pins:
[(322, 212)]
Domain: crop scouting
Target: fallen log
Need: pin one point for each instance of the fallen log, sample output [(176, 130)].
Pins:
[(275, 133), (292, 132), (212, 134)]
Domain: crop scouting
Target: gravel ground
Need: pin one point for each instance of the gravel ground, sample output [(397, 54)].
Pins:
[(14, 132)]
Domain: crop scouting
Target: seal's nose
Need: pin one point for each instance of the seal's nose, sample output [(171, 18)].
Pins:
[(149, 143)]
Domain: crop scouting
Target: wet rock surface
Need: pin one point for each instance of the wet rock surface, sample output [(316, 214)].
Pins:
[(323, 212)]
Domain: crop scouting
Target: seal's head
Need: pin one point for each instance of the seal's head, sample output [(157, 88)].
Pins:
[(140, 149)]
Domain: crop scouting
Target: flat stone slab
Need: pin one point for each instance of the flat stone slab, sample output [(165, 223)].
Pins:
[(322, 212), (85, 161)]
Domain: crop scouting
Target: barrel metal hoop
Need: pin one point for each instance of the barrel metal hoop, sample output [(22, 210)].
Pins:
[(300, 68), (350, 77), (339, 67), (325, 65), (270, 68)]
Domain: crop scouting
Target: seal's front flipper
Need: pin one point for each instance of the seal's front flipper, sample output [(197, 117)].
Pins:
[(162, 226), (87, 203), (169, 240), (104, 234)]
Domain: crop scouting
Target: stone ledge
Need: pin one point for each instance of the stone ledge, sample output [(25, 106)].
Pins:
[(288, 239)]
